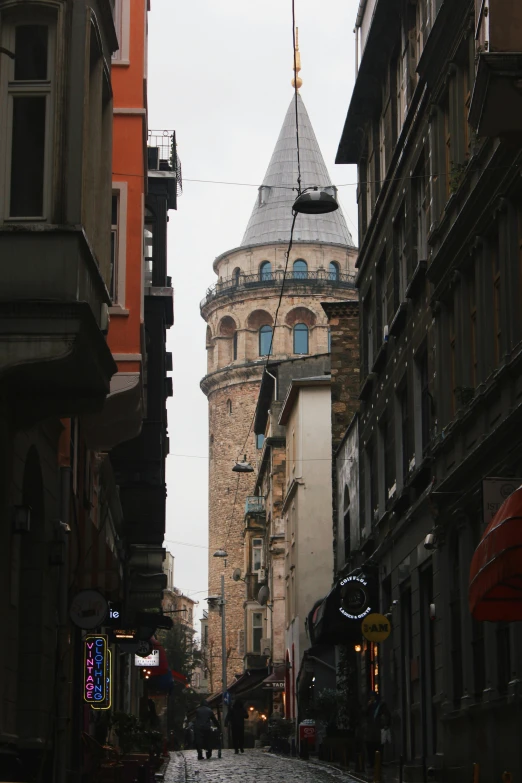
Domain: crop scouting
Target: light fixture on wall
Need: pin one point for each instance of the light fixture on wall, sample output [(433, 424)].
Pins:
[(357, 648)]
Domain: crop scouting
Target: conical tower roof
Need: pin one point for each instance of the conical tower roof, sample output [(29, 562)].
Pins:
[(271, 217)]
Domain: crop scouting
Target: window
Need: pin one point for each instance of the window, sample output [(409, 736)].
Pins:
[(260, 439), (425, 400), (389, 457), (122, 25), (114, 244), (329, 340), (257, 631), (234, 346), (456, 624), (472, 288), (148, 248), (448, 162), (452, 352), (405, 432), (237, 276), (333, 270), (265, 341), (367, 333), (257, 554), (300, 269), (497, 316), (300, 338), (119, 241), (229, 407), (346, 524), (29, 118), (401, 74), (265, 271), (401, 258), (382, 302), (421, 196), (373, 480)]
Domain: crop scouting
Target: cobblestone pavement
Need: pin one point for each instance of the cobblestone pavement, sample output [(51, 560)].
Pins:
[(253, 766)]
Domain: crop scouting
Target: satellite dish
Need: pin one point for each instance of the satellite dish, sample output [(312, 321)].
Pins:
[(263, 595), (236, 576)]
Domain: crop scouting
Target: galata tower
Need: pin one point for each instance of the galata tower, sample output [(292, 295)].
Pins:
[(239, 311)]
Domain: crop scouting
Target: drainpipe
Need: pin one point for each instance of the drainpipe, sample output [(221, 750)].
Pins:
[(64, 641)]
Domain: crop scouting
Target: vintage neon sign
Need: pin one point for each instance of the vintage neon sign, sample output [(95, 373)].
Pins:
[(96, 669), (107, 703), (355, 598)]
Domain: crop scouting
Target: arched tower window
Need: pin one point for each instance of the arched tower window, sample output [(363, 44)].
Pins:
[(236, 275), (229, 407), (234, 347), (300, 338), (265, 340), (329, 338), (265, 271), (333, 270), (300, 269)]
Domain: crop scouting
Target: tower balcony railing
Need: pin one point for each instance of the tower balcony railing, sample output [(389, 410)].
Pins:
[(318, 278)]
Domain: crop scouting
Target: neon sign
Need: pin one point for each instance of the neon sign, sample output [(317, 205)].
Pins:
[(97, 672)]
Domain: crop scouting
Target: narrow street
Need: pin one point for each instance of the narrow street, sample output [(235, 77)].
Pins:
[(254, 766)]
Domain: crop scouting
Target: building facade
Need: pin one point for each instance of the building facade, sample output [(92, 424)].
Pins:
[(439, 281), (240, 311)]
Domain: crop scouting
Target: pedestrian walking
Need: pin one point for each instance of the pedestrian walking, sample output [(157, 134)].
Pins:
[(236, 720), (377, 719), (202, 729)]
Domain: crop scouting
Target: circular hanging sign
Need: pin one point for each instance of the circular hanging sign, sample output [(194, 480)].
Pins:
[(89, 609), (376, 627), (355, 598)]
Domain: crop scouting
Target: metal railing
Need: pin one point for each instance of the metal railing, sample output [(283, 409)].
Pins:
[(255, 505), (318, 278), (163, 156)]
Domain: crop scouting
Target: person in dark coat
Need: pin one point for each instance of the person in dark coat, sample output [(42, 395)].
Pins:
[(202, 725), (236, 720)]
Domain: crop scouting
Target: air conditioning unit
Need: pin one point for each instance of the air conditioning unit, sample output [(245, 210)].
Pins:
[(261, 575)]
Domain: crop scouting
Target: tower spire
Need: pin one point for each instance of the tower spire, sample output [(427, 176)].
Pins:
[(297, 62)]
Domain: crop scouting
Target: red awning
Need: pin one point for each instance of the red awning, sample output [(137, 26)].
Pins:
[(495, 580)]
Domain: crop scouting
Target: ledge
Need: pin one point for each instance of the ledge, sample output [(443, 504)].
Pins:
[(418, 277), (399, 319), (367, 386)]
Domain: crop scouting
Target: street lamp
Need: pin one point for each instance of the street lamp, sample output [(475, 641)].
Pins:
[(315, 202), (242, 466), (221, 603)]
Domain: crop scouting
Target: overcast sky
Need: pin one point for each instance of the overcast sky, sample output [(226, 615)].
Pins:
[(219, 74)]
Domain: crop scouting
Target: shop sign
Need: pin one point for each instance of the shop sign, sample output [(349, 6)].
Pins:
[(149, 661), (96, 670), (355, 598), (274, 686), (376, 627), (107, 703), (124, 634), (494, 492), (89, 609)]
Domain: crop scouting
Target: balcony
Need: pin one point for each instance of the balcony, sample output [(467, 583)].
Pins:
[(255, 505), (164, 163), (319, 279), (496, 107)]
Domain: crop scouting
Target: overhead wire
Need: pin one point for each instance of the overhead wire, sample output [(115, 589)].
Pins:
[(287, 254)]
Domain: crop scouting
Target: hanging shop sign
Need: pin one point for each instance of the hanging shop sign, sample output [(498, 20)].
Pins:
[(97, 673), (355, 597), (376, 627), (148, 661), (274, 686), (124, 634), (107, 703), (89, 608), (114, 616), (144, 648)]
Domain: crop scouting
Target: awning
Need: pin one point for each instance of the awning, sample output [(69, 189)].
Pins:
[(495, 580), (244, 684), (276, 680)]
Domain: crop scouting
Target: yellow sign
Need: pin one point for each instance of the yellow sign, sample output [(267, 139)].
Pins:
[(376, 627)]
